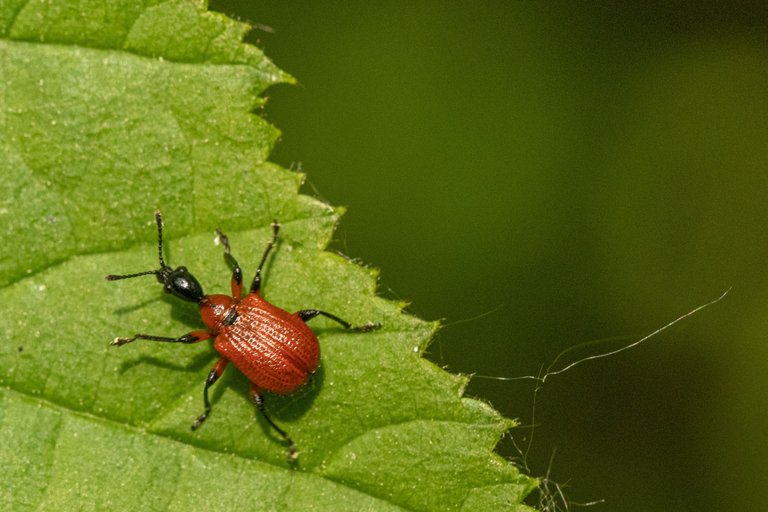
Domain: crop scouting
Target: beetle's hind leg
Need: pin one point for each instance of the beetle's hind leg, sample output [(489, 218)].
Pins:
[(258, 400)]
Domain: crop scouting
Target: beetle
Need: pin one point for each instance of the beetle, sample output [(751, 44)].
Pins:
[(275, 349)]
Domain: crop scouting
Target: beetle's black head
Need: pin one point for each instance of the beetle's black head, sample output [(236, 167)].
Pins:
[(181, 283), (176, 281)]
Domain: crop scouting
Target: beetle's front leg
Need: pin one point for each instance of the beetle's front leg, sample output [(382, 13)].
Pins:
[(256, 284), (237, 273), (191, 337)]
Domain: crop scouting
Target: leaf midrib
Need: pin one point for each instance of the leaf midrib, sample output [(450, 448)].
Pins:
[(137, 430)]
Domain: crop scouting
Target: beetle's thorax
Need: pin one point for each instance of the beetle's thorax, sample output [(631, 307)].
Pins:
[(217, 310)]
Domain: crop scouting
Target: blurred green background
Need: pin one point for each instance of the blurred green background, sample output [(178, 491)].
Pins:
[(544, 175)]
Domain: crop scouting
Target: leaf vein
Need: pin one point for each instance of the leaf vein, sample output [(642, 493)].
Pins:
[(16, 15)]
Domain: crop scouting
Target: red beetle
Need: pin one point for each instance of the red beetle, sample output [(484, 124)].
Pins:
[(274, 348)]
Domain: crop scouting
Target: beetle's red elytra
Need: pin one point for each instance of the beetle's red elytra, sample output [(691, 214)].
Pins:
[(262, 328), (275, 349)]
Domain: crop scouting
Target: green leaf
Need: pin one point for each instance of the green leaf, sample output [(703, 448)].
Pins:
[(110, 109)]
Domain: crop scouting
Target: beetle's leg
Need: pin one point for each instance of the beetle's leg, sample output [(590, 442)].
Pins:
[(237, 273), (256, 284), (258, 401), (309, 314), (191, 337), (221, 364)]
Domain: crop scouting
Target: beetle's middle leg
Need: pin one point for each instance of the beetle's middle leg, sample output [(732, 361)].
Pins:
[(309, 314), (216, 372)]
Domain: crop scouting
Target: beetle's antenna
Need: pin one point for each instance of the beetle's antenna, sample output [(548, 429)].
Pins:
[(163, 266), (159, 220), (112, 277)]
